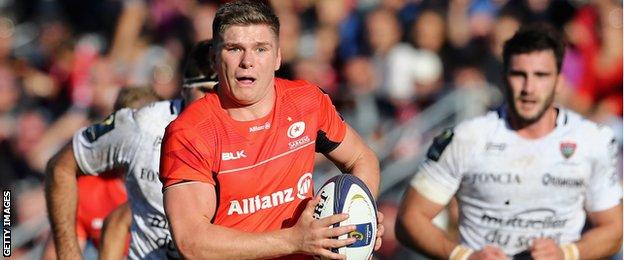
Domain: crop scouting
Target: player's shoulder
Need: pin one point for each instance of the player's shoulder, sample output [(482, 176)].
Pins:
[(160, 110), (294, 84), (301, 95), (479, 127), (467, 134), (158, 114), (196, 113), (297, 88), (585, 128)]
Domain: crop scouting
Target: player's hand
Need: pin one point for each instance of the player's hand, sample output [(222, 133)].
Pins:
[(316, 236), (488, 253), (380, 230), (546, 249)]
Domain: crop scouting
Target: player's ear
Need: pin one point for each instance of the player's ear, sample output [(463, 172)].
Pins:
[(278, 61)]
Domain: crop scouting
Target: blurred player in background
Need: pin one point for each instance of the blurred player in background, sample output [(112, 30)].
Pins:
[(99, 195), (237, 165), (130, 139), (525, 176)]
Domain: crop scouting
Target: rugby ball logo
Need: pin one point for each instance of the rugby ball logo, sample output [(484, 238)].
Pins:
[(346, 193)]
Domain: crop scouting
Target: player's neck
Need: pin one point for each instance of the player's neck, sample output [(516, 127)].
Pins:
[(253, 111), (537, 129)]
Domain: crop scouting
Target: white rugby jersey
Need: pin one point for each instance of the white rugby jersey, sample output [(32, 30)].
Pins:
[(132, 139), (512, 190)]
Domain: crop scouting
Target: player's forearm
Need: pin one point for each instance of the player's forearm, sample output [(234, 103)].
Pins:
[(419, 233), (225, 243), (115, 232), (600, 242), (366, 168), (61, 200)]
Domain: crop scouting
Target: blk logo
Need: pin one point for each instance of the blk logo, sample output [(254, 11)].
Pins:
[(233, 156)]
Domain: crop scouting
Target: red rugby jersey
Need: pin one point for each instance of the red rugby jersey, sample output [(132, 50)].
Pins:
[(262, 169), (97, 197)]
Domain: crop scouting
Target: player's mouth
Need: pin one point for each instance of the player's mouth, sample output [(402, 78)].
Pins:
[(527, 103), (246, 80)]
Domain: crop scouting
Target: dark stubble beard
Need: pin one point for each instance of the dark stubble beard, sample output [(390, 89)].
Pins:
[(524, 121)]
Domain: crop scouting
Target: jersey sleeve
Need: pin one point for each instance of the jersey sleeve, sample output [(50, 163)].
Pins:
[(106, 145), (439, 176), (605, 190), (184, 157), (332, 128)]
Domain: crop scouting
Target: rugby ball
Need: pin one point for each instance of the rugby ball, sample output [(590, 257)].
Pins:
[(346, 193)]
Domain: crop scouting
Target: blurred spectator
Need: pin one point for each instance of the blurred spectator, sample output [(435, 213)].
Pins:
[(594, 66), (290, 34), (505, 26), (407, 74), (359, 103), (317, 60)]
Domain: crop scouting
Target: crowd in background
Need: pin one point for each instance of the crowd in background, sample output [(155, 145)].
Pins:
[(62, 63)]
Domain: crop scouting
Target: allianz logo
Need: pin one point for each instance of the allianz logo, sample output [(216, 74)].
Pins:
[(233, 155), (257, 203)]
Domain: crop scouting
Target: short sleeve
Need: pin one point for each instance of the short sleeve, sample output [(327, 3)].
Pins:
[(439, 176), (332, 128), (605, 190), (184, 157), (106, 145)]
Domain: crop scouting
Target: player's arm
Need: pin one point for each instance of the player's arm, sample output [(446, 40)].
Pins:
[(414, 228), (354, 156), (603, 201), (61, 190), (432, 188), (601, 241), (191, 206), (115, 233), (49, 250), (83, 154), (605, 237)]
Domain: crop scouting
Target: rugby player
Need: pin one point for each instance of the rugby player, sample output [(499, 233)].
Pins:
[(237, 164), (526, 176), (99, 195), (132, 140)]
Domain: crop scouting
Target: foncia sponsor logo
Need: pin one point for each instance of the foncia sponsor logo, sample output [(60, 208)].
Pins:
[(260, 202)]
